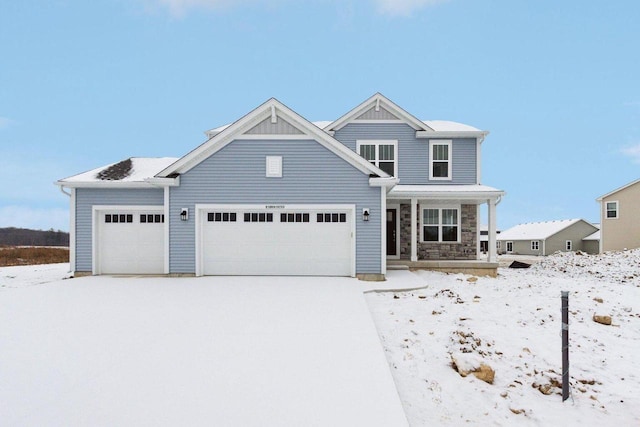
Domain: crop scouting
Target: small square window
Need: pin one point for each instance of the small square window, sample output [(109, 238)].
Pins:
[(157, 218), (232, 217), (262, 217), (298, 217), (225, 217), (305, 217), (283, 217), (320, 218), (143, 219), (130, 218), (247, 217), (254, 217), (269, 217), (107, 218), (291, 217), (123, 218), (343, 217)]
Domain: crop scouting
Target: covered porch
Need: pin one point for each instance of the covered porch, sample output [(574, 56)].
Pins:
[(437, 227)]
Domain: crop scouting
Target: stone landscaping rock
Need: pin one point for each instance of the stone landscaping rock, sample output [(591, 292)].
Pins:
[(603, 320)]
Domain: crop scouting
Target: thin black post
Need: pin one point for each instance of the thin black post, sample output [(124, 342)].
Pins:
[(565, 345)]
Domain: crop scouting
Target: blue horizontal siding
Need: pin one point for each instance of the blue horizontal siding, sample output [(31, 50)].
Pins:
[(413, 153), (311, 174), (86, 198)]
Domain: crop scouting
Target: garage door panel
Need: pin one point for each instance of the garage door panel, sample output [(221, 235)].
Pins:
[(277, 248)]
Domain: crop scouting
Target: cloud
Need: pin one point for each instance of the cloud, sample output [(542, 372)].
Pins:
[(633, 152), (403, 7), (5, 122), (35, 218)]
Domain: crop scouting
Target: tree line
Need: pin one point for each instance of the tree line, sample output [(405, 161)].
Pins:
[(12, 236)]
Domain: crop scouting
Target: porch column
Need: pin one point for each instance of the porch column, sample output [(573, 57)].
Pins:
[(492, 257), (414, 230)]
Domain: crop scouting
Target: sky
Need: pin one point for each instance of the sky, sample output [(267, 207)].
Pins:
[(557, 84)]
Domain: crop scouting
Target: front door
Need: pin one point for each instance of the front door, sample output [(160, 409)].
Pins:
[(392, 222)]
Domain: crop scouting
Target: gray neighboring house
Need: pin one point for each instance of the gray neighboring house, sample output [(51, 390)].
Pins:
[(545, 238), (275, 194)]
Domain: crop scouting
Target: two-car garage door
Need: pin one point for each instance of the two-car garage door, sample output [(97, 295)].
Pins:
[(276, 240)]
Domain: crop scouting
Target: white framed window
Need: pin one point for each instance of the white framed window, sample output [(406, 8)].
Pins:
[(274, 166), (569, 245), (509, 247), (535, 245), (441, 224), (498, 246), (612, 210), (440, 160), (381, 152)]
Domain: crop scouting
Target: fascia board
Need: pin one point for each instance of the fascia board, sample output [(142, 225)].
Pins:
[(104, 184), (164, 182), (387, 104), (383, 182), (452, 134), (449, 195)]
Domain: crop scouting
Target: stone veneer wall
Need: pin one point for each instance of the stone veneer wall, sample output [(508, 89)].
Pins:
[(466, 250)]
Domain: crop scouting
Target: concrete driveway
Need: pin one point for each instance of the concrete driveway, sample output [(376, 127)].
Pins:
[(236, 351)]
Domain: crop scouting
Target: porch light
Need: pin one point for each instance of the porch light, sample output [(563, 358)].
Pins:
[(365, 214), (184, 214)]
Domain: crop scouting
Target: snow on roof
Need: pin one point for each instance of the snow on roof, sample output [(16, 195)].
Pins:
[(141, 169), (536, 230), (594, 236), (448, 126)]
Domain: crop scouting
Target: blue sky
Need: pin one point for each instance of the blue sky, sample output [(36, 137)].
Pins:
[(557, 83)]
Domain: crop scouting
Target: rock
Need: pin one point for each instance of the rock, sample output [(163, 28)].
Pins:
[(517, 411), (472, 279), (545, 389), (485, 373), (603, 320), (597, 299)]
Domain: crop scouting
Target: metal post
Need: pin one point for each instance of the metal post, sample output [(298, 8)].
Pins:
[(565, 345)]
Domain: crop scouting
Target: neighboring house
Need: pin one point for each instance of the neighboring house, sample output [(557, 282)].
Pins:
[(619, 218), (484, 238), (545, 238), (275, 194), (591, 243)]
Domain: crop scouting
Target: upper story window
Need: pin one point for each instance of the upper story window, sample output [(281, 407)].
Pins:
[(382, 153), (441, 224), (612, 210), (440, 160)]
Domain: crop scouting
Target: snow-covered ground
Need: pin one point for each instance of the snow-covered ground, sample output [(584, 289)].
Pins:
[(512, 323)]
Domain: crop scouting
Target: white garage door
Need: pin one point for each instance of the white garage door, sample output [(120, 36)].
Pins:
[(130, 242), (294, 242)]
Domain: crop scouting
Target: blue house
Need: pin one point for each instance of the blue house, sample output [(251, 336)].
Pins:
[(275, 194)]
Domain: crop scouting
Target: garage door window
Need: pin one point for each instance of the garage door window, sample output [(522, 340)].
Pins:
[(332, 217), (118, 218), (294, 217), (221, 217), (258, 217), (151, 218)]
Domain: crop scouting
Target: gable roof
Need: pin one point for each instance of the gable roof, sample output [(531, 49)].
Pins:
[(131, 172), (538, 230), (378, 101), (274, 109), (599, 199)]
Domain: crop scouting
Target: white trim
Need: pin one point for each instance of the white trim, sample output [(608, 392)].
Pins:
[(568, 245), (449, 144), (260, 113), (452, 134), (378, 99), (439, 208), (105, 184), (164, 182), (383, 229), (72, 231), (272, 137), (95, 219), (606, 209), (378, 121), (478, 246), (537, 244), (167, 200), (492, 248), (199, 208), (395, 207), (377, 143), (478, 161), (414, 229), (274, 117)]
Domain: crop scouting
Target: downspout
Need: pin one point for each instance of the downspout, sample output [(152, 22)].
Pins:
[(64, 192)]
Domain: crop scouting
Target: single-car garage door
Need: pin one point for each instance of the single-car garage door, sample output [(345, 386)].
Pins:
[(130, 241), (278, 241)]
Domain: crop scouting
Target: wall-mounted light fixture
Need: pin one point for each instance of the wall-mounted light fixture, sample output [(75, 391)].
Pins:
[(184, 214), (365, 214)]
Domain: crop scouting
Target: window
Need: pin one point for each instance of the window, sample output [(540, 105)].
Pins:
[(535, 245), (569, 245), (440, 160), (151, 218), (331, 217), (441, 225), (498, 244), (258, 217), (221, 217), (612, 210), (118, 218), (382, 153), (509, 247), (294, 217), (274, 166)]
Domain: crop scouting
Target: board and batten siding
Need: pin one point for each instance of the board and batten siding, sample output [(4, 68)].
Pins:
[(311, 174), (86, 198), (413, 153)]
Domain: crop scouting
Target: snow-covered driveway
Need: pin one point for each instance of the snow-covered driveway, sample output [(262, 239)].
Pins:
[(193, 351)]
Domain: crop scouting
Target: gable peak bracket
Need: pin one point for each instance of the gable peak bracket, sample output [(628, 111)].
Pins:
[(378, 104), (274, 117)]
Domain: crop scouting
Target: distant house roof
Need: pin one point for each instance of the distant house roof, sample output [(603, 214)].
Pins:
[(536, 230), (132, 170), (595, 236), (599, 199)]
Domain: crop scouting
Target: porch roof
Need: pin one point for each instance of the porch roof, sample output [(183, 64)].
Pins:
[(468, 192)]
